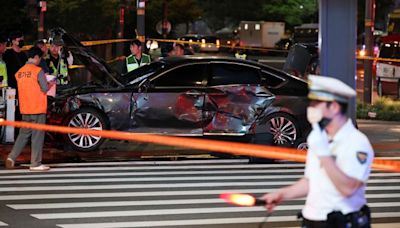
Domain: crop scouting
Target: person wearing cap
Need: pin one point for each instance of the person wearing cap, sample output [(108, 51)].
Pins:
[(15, 58), (42, 44), (136, 58), (33, 87), (3, 67), (58, 62), (338, 163)]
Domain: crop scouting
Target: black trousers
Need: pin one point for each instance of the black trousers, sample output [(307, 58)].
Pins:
[(358, 219)]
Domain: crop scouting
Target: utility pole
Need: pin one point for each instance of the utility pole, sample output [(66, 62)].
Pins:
[(369, 43), (140, 15), (121, 26), (43, 8), (164, 19)]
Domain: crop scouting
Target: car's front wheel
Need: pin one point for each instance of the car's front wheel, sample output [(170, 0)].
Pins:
[(87, 118)]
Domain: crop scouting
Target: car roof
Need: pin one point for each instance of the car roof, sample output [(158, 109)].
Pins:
[(173, 61)]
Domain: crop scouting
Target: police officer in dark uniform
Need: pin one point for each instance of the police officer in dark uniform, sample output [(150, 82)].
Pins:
[(338, 162)]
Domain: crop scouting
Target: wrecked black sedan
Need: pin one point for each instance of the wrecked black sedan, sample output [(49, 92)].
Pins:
[(185, 96)]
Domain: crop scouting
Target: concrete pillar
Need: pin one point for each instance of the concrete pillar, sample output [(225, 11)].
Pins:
[(338, 41)]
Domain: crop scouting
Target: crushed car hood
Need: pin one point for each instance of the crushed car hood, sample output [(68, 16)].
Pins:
[(101, 72)]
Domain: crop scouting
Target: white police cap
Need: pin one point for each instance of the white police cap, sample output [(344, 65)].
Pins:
[(323, 88)]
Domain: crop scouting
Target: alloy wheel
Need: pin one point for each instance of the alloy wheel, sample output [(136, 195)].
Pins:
[(283, 129), (87, 121)]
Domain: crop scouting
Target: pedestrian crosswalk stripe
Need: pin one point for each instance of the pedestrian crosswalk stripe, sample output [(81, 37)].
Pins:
[(181, 211), (3, 224), (112, 204), (148, 173), (167, 185), (193, 222), (155, 202), (172, 167), (195, 162), (149, 179), (141, 186), (127, 194), (299, 172), (129, 179), (153, 193), (175, 223)]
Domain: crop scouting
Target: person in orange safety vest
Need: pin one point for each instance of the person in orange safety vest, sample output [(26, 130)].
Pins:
[(32, 87)]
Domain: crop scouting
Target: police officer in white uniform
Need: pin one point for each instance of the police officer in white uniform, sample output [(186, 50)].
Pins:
[(338, 162)]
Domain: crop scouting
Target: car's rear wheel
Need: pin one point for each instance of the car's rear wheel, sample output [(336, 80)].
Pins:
[(87, 118), (283, 127)]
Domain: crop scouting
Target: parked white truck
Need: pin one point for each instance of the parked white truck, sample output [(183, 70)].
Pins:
[(260, 33)]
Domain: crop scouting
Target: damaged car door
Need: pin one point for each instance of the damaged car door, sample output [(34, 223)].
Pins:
[(172, 102), (234, 99)]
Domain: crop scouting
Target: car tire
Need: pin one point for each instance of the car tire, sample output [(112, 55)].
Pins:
[(284, 129), (88, 118)]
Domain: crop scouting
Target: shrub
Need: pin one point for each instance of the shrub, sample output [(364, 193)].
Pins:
[(384, 107)]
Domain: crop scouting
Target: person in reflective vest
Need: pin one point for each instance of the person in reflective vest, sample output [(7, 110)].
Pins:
[(3, 67), (137, 58), (32, 86), (58, 63), (240, 54)]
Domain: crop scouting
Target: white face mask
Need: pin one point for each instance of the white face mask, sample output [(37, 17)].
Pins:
[(314, 115)]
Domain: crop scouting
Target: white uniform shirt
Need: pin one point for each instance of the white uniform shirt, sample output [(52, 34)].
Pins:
[(354, 155)]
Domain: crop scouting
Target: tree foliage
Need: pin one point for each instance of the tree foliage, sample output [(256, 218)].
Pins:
[(13, 16), (293, 12), (99, 19), (230, 12), (179, 11), (87, 18)]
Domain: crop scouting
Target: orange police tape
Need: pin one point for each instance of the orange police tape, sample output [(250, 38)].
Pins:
[(201, 144)]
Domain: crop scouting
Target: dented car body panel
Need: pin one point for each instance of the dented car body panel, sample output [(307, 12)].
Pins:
[(187, 96)]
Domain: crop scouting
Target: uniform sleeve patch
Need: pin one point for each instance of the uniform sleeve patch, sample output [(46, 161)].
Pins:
[(362, 157)]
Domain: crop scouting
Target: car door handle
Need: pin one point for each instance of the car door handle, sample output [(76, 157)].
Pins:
[(193, 93), (263, 95)]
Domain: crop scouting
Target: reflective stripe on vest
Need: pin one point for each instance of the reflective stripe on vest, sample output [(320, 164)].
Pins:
[(3, 72), (240, 56), (62, 75), (132, 64), (32, 100)]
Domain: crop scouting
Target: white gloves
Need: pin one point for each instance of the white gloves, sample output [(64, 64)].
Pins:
[(70, 58), (318, 142)]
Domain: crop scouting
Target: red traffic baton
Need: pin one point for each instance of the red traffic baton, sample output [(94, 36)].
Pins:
[(241, 199)]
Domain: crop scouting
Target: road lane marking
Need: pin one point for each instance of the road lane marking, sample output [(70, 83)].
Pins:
[(181, 211), (175, 223), (193, 222), (172, 167), (207, 161), (145, 173), (170, 173), (155, 202), (148, 179), (141, 186), (163, 179), (154, 193)]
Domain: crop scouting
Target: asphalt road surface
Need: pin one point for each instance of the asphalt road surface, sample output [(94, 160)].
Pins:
[(164, 194)]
